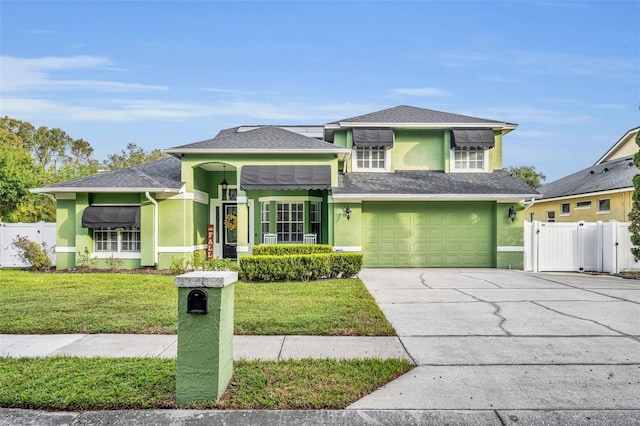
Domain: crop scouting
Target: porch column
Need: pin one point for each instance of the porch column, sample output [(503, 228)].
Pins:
[(243, 225)]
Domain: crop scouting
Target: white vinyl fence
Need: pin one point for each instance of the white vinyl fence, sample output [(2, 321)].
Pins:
[(578, 247), (40, 232)]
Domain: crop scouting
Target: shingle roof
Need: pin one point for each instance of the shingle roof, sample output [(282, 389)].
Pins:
[(605, 176), (410, 114), (160, 175), (426, 182), (267, 138)]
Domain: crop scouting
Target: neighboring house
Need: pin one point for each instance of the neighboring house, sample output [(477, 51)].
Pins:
[(601, 192), (406, 186)]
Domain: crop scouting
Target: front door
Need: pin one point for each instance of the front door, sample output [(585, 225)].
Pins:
[(230, 230)]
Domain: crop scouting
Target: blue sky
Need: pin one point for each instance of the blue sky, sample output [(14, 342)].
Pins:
[(162, 73)]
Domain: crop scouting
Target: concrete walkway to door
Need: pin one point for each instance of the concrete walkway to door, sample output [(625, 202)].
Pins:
[(486, 339)]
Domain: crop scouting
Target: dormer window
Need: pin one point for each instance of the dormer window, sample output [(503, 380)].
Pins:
[(469, 149), (370, 159), (371, 149), (469, 159)]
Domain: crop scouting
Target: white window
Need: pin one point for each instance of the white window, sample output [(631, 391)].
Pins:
[(551, 216), (469, 159), (583, 205), (315, 215), (604, 205), (290, 222), (566, 209), (121, 240), (370, 159), (265, 214)]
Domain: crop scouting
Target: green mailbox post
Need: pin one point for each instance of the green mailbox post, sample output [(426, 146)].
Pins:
[(205, 334)]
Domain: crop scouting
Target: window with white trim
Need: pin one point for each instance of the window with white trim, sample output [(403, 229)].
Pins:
[(120, 240), (604, 205), (315, 217), (583, 205), (468, 159), (264, 218), (551, 216), (290, 222), (565, 208), (370, 158)]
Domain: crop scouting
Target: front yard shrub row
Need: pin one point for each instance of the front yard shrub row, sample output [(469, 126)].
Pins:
[(284, 249), (303, 267)]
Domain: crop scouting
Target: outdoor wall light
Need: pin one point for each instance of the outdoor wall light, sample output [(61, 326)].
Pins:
[(347, 213), (511, 213), (224, 184)]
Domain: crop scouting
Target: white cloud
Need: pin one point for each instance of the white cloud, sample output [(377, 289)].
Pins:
[(37, 74), (546, 63), (422, 91), (528, 114), (138, 110)]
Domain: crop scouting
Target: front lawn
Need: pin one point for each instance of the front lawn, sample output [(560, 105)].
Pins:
[(68, 383), (51, 303)]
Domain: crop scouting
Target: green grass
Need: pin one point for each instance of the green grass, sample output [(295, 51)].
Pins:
[(76, 384), (50, 303)]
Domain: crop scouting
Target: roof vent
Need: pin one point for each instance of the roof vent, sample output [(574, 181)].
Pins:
[(591, 172), (606, 169), (630, 164)]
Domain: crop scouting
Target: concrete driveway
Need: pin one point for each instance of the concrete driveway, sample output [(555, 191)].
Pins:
[(509, 340)]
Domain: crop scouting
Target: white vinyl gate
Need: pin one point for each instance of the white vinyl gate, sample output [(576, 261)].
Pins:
[(40, 232), (578, 246)]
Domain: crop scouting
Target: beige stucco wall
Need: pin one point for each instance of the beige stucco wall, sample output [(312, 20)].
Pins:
[(620, 207)]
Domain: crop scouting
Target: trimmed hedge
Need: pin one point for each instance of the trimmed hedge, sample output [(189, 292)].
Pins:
[(302, 267), (284, 249)]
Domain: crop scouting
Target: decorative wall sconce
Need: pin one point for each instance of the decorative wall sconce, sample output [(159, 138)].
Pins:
[(347, 213), (224, 184), (512, 214)]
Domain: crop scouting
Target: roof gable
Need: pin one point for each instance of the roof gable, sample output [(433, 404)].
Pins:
[(624, 147), (261, 139), (404, 114)]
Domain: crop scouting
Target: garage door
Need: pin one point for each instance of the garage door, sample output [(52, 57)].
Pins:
[(429, 234)]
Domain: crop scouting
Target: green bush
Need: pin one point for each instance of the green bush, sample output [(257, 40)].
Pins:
[(345, 265), (302, 267), (284, 249)]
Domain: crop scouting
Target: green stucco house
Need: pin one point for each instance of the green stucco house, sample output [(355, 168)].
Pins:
[(405, 186)]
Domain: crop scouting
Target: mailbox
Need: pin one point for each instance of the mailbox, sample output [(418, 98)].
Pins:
[(197, 302)]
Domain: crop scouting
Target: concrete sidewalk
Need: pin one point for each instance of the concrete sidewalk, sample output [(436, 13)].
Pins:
[(165, 346)]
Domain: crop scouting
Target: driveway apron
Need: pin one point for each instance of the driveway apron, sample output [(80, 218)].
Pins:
[(499, 339)]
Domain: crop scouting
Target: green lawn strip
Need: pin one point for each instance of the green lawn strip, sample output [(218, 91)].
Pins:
[(331, 307), (76, 384), (51, 303)]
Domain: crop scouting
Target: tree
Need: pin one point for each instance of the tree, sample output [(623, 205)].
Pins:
[(131, 156), (35, 157), (529, 175), (634, 215), (17, 173)]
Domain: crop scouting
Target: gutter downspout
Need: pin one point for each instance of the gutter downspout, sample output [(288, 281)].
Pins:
[(155, 228), (530, 203)]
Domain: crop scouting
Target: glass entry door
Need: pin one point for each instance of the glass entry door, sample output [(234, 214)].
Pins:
[(230, 230)]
